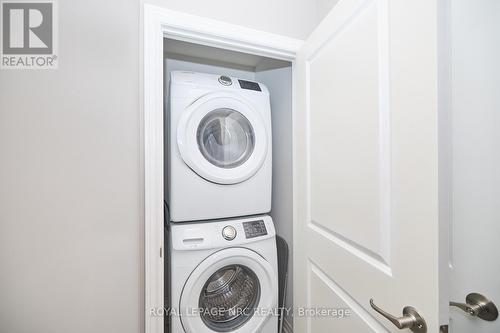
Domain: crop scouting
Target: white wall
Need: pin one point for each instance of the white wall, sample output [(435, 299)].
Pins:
[(293, 18), (70, 173), (279, 83), (70, 218), (323, 7)]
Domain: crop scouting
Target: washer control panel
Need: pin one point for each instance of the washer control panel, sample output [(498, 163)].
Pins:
[(229, 233), (254, 228), (221, 233), (249, 85)]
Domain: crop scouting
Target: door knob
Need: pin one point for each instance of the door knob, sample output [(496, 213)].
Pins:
[(477, 305), (411, 319)]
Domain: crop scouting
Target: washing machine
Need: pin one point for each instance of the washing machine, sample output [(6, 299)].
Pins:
[(224, 276), (219, 147)]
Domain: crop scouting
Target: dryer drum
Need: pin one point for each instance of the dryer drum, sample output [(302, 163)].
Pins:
[(229, 297), (226, 138)]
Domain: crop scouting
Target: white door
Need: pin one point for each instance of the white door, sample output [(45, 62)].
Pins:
[(366, 167), (475, 226)]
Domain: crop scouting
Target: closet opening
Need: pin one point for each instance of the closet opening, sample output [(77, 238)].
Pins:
[(250, 72)]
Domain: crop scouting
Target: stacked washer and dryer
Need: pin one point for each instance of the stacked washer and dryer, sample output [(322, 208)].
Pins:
[(222, 247)]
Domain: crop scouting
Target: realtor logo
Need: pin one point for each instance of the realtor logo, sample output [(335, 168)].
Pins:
[(28, 35)]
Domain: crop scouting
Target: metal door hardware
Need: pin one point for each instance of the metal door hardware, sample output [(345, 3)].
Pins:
[(477, 305), (411, 319)]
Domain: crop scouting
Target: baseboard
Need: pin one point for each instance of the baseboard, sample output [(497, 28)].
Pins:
[(288, 325)]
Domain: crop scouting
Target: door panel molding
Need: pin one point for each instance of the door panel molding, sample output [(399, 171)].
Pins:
[(369, 322), (352, 248), (366, 160), (371, 15)]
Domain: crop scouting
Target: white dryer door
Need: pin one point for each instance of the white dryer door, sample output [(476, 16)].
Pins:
[(233, 290), (222, 138)]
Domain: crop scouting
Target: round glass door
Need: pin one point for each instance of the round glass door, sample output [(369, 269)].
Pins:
[(229, 298), (225, 138), (226, 288)]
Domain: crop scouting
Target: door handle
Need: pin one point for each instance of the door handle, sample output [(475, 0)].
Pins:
[(411, 319), (477, 305)]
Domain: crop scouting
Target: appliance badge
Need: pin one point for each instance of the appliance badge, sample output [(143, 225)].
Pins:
[(225, 80)]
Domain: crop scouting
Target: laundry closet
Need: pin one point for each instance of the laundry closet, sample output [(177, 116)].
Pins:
[(254, 74), (363, 141)]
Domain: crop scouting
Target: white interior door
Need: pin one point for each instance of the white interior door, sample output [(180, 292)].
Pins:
[(475, 227), (366, 166)]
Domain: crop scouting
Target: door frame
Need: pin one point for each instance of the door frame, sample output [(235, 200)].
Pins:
[(159, 23)]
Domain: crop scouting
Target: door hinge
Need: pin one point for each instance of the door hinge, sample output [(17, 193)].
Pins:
[(161, 252)]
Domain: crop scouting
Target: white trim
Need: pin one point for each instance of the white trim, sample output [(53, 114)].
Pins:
[(159, 23), (192, 28), (153, 169)]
